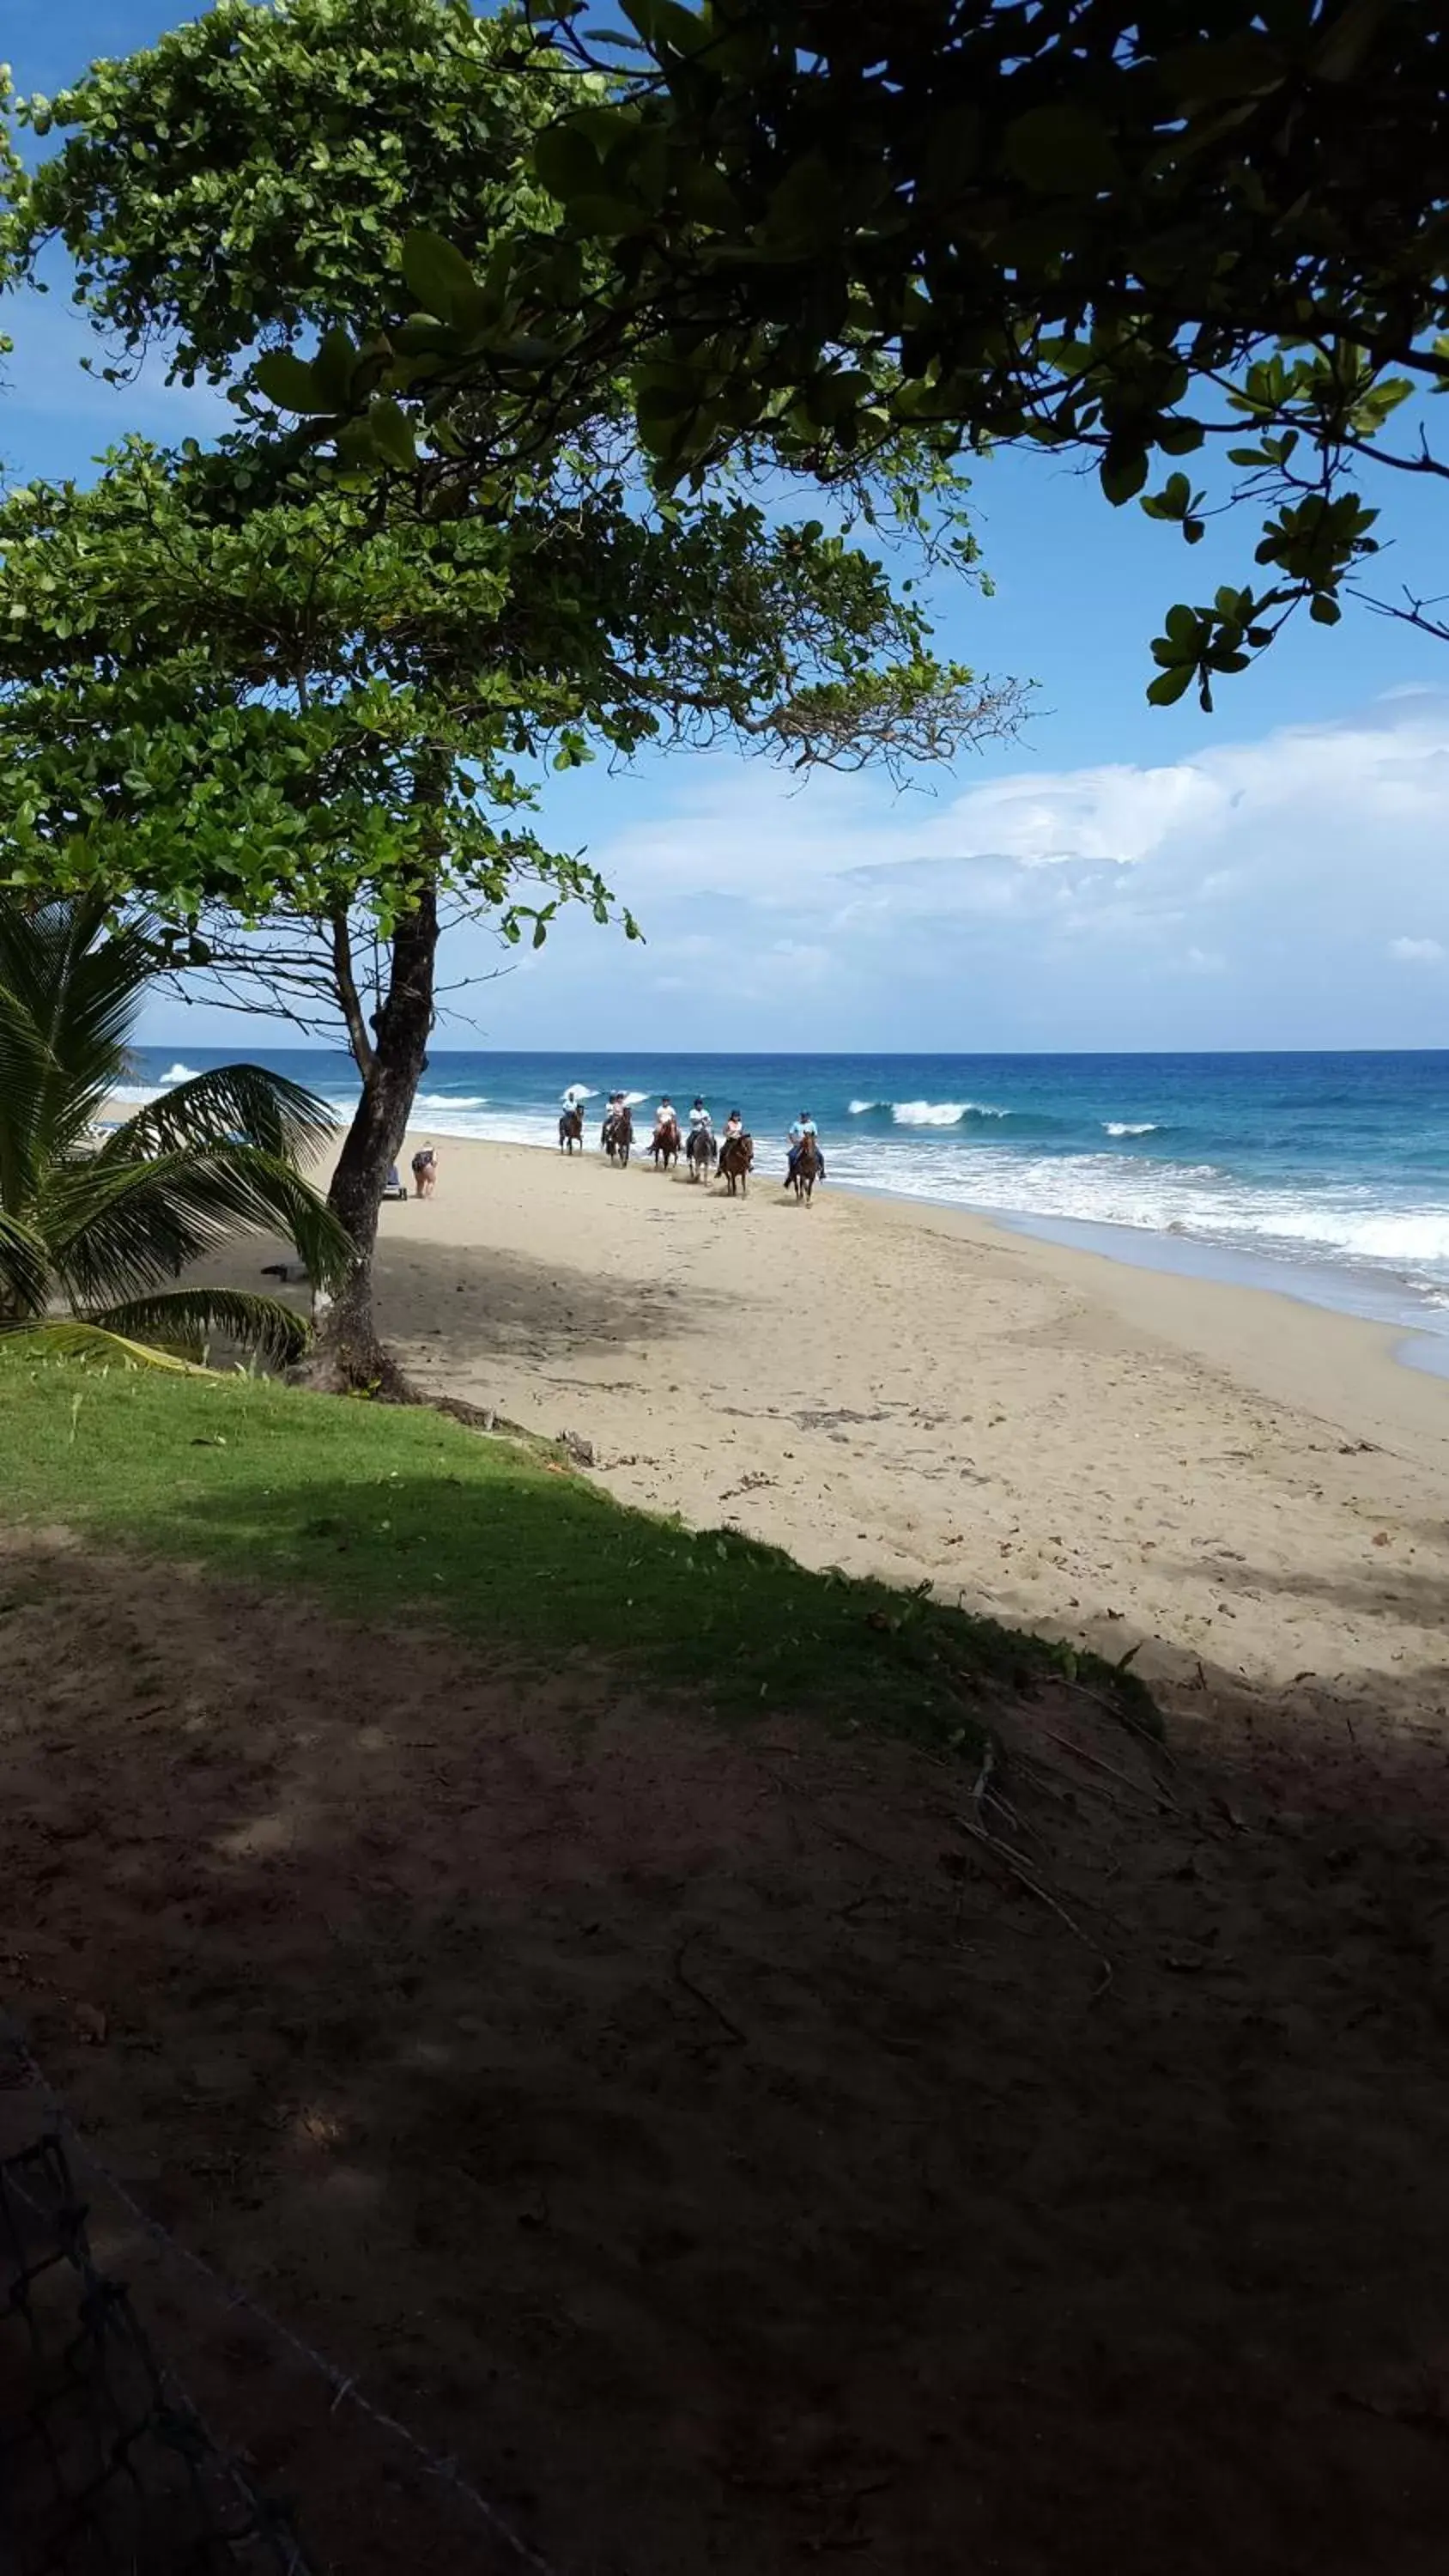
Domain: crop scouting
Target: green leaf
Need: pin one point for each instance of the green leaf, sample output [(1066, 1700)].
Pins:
[(667, 27), (567, 162), (392, 433), (289, 382), (1172, 502), (1122, 473), (1062, 151), (803, 206), (1323, 610), (607, 217), (1171, 685), (333, 366), (441, 279)]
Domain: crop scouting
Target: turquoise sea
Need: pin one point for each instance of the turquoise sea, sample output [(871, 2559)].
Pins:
[(1325, 1174)]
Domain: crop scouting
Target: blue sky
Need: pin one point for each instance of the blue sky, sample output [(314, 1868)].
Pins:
[(1276, 874)]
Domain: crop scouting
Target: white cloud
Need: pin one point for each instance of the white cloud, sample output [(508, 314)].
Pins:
[(1250, 896), (741, 828), (1237, 897)]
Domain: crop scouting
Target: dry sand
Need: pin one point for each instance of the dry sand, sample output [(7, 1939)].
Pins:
[(1253, 1492)]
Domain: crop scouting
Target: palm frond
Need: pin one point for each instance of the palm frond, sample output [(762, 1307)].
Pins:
[(72, 999), (24, 1063), (186, 1320), (70, 1337), (110, 1228), (24, 1269), (118, 1229), (241, 1102)]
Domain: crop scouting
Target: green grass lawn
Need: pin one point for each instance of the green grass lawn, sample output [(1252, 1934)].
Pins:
[(386, 1512)]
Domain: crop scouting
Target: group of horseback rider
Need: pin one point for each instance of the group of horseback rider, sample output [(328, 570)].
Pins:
[(700, 1145)]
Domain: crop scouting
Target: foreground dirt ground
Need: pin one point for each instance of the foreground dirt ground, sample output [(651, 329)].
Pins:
[(708, 2141)]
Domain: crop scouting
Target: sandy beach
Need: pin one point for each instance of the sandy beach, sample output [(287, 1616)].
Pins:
[(1251, 1492)]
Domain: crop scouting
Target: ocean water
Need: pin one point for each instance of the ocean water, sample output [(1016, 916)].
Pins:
[(1328, 1174)]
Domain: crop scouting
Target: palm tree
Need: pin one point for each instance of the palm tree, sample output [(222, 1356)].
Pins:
[(91, 1234)]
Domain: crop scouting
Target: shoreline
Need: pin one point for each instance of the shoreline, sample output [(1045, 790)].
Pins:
[(1378, 1291), (1326, 1286)]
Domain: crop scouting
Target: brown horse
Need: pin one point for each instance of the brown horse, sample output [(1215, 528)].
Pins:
[(700, 1153), (807, 1169), (736, 1159), (571, 1131), (619, 1136), (664, 1145)]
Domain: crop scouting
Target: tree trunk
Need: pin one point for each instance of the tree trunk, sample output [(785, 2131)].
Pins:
[(348, 1353)]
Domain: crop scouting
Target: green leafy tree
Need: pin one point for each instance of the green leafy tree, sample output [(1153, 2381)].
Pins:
[(294, 715), (253, 694), (14, 227), (1202, 247), (100, 1223)]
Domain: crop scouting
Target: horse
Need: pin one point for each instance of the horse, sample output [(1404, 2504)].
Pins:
[(571, 1131), (665, 1144), (736, 1158), (618, 1137), (806, 1171), (700, 1153)]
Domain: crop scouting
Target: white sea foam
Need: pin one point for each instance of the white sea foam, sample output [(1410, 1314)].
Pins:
[(1372, 1234), (1199, 1200), (576, 1094), (143, 1091), (1130, 1126), (941, 1113), (478, 1126)]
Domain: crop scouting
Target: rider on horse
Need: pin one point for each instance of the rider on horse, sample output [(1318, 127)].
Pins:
[(734, 1127), (700, 1150), (804, 1126)]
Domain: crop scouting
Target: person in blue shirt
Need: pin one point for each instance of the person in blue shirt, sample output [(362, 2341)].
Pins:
[(804, 1126)]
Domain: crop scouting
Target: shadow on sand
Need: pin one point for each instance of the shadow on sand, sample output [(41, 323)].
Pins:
[(713, 2145)]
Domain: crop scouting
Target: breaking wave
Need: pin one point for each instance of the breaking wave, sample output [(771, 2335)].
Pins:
[(928, 1113)]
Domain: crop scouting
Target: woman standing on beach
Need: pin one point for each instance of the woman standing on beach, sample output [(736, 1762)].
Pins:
[(425, 1171)]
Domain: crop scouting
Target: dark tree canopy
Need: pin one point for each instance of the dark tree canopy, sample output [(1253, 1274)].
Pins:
[(1152, 235)]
